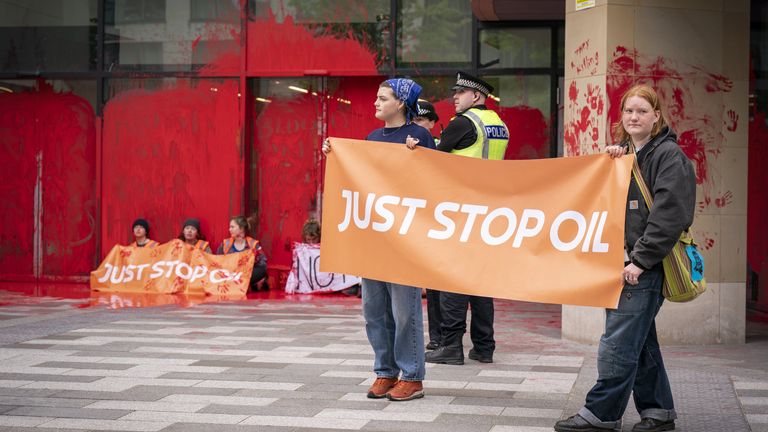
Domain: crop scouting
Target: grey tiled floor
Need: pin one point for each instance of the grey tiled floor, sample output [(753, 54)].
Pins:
[(285, 365)]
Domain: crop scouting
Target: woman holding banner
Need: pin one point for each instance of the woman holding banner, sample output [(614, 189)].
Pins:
[(191, 235), (629, 359), (240, 241), (393, 316)]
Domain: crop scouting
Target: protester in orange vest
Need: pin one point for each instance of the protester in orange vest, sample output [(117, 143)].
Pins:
[(240, 241), (191, 235), (141, 234)]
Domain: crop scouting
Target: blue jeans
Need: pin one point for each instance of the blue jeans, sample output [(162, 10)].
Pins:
[(393, 323), (629, 359)]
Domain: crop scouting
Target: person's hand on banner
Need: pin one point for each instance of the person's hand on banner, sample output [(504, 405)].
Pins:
[(411, 143), (615, 151), (326, 146), (632, 273)]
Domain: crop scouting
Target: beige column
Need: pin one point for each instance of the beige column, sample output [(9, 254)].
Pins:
[(695, 53)]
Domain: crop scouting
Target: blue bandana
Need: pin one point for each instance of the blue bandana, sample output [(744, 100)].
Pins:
[(408, 92)]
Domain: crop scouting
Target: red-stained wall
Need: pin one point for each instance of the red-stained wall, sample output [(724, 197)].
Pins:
[(48, 145), (170, 154)]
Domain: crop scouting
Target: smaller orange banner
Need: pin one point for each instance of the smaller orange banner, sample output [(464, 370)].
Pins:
[(173, 268)]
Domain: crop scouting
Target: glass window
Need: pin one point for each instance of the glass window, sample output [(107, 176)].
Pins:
[(176, 36), (434, 33), (523, 102), (48, 127), (211, 10), (139, 11), (285, 160), (345, 36), (48, 35), (515, 48), (561, 47)]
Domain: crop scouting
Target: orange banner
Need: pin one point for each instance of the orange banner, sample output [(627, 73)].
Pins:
[(548, 230), (173, 268)]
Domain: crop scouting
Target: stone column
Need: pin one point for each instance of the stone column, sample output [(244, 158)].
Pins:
[(695, 53)]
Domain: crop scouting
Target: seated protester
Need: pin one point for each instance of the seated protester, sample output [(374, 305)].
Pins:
[(141, 234), (191, 235), (240, 241), (310, 232)]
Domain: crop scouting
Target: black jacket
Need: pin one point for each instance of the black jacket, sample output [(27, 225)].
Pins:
[(669, 175), (460, 132)]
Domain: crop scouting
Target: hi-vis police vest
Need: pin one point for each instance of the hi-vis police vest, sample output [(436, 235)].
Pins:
[(492, 135), (227, 244)]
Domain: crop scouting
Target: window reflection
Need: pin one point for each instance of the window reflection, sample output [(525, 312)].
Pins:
[(344, 36), (48, 35), (515, 48), (160, 35), (432, 33)]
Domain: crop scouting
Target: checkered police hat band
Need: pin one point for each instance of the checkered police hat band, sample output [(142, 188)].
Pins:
[(471, 84)]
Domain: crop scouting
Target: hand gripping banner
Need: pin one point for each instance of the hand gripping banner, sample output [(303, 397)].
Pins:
[(547, 230), (173, 268)]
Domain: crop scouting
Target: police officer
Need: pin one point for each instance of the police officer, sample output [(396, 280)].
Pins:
[(426, 117), (475, 132)]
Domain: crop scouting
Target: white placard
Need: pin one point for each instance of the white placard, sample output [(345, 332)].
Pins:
[(305, 277)]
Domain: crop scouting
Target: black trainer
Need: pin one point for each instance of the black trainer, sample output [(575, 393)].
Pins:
[(446, 354), (432, 345), (577, 423), (479, 357), (652, 425)]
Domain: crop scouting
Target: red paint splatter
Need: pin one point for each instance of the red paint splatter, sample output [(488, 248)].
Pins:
[(732, 121), (302, 50), (573, 92), (170, 154), (288, 161), (692, 144), (717, 83), (586, 60), (697, 121), (530, 133), (583, 130), (724, 200)]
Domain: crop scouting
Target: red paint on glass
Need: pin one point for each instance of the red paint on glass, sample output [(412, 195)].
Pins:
[(757, 206), (289, 166), (285, 145), (48, 145), (529, 132), (301, 49), (171, 154)]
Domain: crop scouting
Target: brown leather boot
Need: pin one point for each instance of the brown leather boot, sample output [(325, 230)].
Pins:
[(380, 387), (405, 391)]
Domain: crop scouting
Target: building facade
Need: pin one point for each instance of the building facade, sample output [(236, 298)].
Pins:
[(167, 109)]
